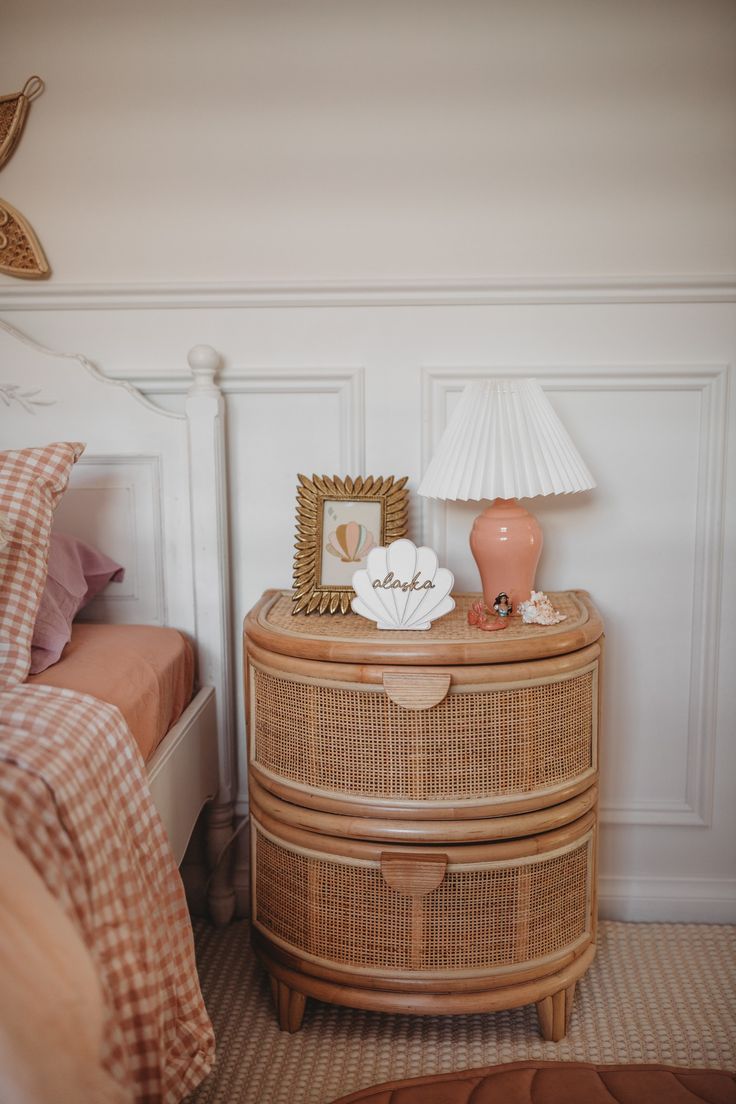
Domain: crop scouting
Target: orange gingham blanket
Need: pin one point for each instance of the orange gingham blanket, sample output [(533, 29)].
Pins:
[(74, 792)]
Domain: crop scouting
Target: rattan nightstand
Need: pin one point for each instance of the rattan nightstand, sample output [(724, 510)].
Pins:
[(423, 810)]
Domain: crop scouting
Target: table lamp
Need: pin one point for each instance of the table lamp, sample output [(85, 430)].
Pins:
[(503, 442)]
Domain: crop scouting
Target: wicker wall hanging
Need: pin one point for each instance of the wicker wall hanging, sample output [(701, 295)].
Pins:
[(20, 251)]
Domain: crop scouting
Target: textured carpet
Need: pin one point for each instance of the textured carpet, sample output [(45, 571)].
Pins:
[(655, 993)]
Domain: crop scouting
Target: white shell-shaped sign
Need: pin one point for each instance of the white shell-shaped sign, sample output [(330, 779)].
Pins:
[(403, 587)]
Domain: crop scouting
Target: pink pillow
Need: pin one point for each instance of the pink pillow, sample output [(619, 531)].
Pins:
[(76, 573), (32, 481)]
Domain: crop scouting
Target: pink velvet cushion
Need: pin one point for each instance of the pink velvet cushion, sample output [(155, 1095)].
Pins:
[(32, 481), (76, 573)]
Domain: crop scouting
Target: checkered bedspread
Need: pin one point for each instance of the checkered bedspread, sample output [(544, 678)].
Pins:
[(74, 793)]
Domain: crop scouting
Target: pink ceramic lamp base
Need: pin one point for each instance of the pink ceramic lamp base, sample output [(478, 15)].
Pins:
[(506, 542)]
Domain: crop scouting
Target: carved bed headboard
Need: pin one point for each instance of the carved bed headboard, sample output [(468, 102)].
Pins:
[(150, 490)]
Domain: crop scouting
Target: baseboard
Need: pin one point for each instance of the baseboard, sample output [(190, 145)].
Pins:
[(677, 900)]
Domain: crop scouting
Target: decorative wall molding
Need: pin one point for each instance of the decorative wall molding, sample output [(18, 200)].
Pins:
[(347, 383), (711, 382), (378, 293)]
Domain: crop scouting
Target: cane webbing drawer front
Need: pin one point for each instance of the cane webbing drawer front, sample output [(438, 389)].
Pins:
[(486, 917), (483, 744)]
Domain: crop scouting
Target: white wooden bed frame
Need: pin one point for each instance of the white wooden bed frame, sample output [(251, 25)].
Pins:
[(150, 491)]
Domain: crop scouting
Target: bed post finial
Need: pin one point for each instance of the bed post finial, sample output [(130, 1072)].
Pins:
[(204, 362)]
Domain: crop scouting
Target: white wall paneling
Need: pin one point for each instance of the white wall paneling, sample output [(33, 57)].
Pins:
[(644, 390), (278, 420), (384, 200), (284, 422), (687, 565)]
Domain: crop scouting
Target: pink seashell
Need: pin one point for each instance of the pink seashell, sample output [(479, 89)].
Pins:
[(350, 542)]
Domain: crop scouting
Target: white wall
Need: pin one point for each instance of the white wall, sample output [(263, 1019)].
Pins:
[(362, 206), (258, 140)]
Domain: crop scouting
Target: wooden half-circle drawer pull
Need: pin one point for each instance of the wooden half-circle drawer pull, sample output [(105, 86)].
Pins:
[(416, 689), (412, 874)]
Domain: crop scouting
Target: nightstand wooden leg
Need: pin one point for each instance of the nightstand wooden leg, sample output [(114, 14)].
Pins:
[(290, 1005), (554, 1014)]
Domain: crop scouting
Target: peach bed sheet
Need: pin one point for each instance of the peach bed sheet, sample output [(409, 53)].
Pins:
[(145, 670)]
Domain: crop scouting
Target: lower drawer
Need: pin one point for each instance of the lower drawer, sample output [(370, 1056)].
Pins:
[(434, 912)]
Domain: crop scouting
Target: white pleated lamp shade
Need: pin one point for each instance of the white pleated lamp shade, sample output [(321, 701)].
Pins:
[(504, 440)]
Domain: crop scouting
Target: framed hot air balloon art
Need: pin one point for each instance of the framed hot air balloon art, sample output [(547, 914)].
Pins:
[(338, 522)]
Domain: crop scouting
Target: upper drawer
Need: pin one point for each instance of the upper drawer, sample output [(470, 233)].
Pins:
[(450, 743)]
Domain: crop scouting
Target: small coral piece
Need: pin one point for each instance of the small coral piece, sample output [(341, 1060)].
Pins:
[(476, 613), (538, 610), (481, 618)]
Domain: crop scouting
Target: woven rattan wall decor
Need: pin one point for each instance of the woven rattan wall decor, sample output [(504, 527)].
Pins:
[(20, 251)]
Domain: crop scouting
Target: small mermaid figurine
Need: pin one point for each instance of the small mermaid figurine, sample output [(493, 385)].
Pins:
[(502, 605)]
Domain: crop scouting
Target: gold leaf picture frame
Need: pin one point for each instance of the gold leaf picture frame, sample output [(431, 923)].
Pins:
[(338, 521)]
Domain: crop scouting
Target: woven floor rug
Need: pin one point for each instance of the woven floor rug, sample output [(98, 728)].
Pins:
[(655, 993)]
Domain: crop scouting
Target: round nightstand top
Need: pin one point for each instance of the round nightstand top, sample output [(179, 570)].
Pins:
[(348, 638)]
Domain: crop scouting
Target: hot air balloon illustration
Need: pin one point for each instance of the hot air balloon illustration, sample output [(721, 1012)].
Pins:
[(351, 542), (20, 251)]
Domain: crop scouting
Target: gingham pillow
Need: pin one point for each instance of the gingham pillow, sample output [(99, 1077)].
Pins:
[(31, 483)]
